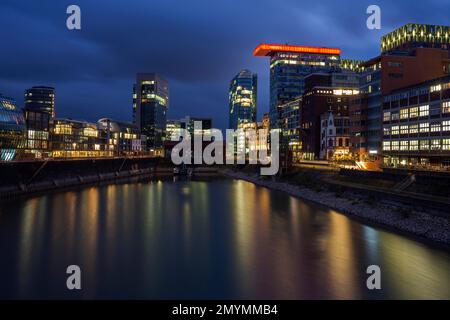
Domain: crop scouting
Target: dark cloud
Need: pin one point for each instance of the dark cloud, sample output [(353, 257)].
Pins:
[(197, 45)]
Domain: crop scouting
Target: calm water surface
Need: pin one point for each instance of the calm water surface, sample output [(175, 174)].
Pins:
[(204, 239)]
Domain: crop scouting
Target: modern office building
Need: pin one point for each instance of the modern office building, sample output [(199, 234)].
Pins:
[(106, 138), (263, 132), (204, 128), (37, 133), (150, 105), (289, 65), (323, 95), (365, 114), (242, 99), (290, 123), (382, 75), (40, 99), (352, 65), (39, 110), (172, 126), (416, 125), (123, 137), (12, 130), (413, 35), (188, 123), (78, 139), (335, 137)]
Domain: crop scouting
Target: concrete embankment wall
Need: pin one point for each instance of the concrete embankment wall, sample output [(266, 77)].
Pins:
[(21, 178), (428, 190)]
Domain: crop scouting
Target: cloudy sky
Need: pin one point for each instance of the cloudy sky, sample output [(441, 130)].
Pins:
[(198, 45)]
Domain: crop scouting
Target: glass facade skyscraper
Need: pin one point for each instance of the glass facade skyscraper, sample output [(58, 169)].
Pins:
[(289, 65), (150, 104), (40, 99), (242, 99)]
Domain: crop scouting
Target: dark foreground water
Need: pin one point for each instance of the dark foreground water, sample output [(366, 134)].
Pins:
[(204, 239)]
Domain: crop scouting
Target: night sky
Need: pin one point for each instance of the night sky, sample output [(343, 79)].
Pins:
[(198, 46)]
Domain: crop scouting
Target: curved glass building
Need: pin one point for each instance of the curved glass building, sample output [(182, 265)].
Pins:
[(12, 129)]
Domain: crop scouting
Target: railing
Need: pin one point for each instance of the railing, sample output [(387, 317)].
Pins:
[(418, 167)]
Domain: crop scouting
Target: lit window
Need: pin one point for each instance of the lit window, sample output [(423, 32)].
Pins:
[(404, 114), (436, 144), (414, 145), (446, 144), (414, 128), (387, 116), (386, 145), (435, 88), (424, 144), (404, 130), (395, 130), (394, 145), (424, 111), (404, 145), (445, 125), (446, 107), (435, 127), (425, 127), (414, 112)]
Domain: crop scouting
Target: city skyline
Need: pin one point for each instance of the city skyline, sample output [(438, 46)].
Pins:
[(235, 154), (104, 72)]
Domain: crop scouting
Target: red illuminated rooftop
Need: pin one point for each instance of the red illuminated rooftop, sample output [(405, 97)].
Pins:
[(264, 49)]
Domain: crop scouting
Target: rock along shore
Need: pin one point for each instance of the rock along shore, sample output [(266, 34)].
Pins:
[(423, 225)]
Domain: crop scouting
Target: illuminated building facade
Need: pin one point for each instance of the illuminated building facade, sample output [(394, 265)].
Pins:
[(78, 139), (40, 99), (413, 35), (289, 65), (106, 138), (416, 125), (12, 130), (252, 136), (290, 128), (242, 99), (323, 95), (172, 126), (188, 123), (352, 65), (365, 114), (150, 105), (263, 132), (123, 137), (37, 133), (382, 75), (335, 137)]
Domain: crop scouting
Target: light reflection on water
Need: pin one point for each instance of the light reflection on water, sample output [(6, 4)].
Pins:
[(204, 239)]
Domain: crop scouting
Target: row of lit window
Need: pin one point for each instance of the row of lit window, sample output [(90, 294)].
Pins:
[(415, 145), (295, 62), (439, 87), (416, 128), (414, 112), (40, 135)]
